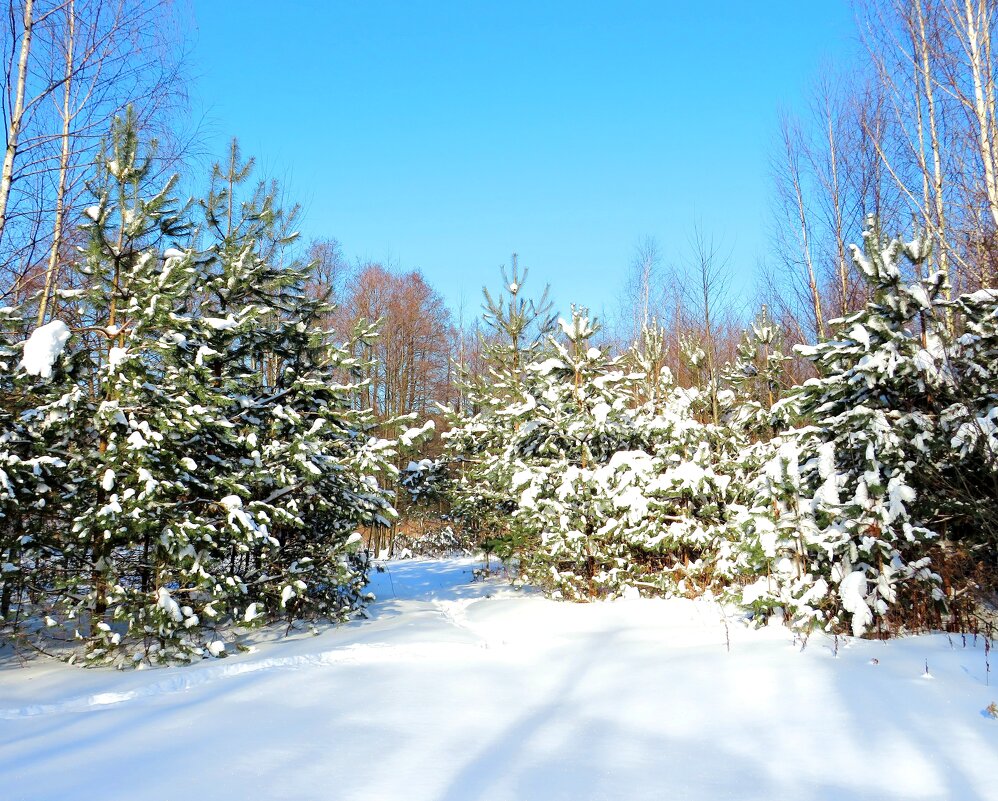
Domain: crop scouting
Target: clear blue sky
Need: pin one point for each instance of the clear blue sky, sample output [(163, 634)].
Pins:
[(446, 135)]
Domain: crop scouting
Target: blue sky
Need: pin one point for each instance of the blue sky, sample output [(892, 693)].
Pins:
[(445, 136)]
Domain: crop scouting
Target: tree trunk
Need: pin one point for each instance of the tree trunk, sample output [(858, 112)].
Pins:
[(14, 129), (60, 198)]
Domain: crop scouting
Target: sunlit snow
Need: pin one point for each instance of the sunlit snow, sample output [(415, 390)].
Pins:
[(461, 690), (43, 347)]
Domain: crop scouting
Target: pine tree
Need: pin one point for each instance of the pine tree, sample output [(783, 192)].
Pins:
[(197, 442), (26, 470), (841, 535), (611, 497), (518, 330), (757, 377), (962, 476), (131, 426), (303, 470)]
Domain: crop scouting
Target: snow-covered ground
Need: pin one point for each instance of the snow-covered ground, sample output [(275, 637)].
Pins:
[(461, 691)]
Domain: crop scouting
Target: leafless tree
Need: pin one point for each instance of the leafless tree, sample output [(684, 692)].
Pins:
[(709, 282), (409, 364), (641, 301), (70, 67), (794, 216)]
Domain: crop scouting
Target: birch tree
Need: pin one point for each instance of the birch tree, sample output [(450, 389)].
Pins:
[(71, 66)]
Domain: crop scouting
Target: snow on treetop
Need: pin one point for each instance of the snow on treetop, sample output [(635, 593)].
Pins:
[(43, 347), (546, 366), (578, 329)]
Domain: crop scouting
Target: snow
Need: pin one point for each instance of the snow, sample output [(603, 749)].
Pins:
[(852, 592), (411, 435), (173, 253), (470, 691), (222, 323), (546, 366), (43, 347), (216, 648), (861, 335), (167, 604), (983, 296), (116, 356)]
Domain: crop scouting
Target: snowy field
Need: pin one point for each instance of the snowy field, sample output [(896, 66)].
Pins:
[(461, 691)]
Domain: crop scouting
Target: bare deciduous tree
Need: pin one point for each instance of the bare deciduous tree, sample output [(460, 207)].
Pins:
[(78, 64)]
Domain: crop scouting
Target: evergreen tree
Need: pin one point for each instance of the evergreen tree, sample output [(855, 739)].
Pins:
[(962, 477), (758, 376), (518, 330), (204, 460), (610, 497), (302, 469), (841, 534), (520, 325)]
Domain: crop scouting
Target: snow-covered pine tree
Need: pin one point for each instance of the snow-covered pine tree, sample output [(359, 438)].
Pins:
[(11, 533), (839, 535), (302, 471), (571, 419), (611, 497), (692, 495), (962, 479), (757, 377), (28, 519), (518, 330), (199, 443), (132, 423)]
